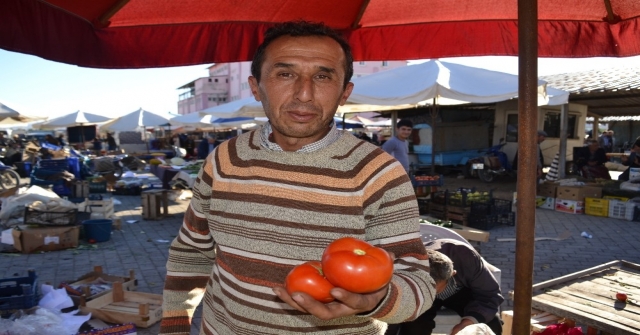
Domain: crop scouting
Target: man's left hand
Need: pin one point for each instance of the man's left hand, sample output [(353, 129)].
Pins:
[(460, 326), (346, 303)]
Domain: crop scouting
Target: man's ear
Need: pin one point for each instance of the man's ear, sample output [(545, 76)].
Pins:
[(255, 90), (454, 273)]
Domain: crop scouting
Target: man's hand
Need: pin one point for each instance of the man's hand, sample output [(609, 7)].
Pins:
[(346, 303), (460, 326)]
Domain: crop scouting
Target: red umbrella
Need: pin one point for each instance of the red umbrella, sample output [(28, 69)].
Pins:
[(156, 33)]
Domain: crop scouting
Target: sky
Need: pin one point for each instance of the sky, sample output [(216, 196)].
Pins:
[(38, 87)]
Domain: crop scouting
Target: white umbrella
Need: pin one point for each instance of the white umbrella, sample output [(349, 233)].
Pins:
[(448, 83), (135, 121), (247, 107), (77, 118)]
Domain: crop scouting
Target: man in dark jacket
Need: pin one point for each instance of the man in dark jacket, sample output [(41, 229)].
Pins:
[(206, 146), (463, 284)]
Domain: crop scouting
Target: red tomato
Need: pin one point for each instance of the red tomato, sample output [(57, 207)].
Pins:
[(621, 296), (309, 278), (356, 265)]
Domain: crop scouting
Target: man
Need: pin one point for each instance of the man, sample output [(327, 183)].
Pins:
[(206, 146), (275, 197), (464, 284), (111, 142), (606, 141), (397, 146)]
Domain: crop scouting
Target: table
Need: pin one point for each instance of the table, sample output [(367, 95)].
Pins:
[(470, 234), (165, 174), (588, 297)]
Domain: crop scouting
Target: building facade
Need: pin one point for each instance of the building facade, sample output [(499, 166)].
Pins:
[(228, 82)]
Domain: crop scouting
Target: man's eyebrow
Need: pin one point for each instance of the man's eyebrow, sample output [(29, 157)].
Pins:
[(282, 65)]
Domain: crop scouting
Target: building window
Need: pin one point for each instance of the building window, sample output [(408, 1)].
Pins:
[(226, 80), (512, 128), (210, 79), (361, 63), (216, 80), (385, 63), (552, 125)]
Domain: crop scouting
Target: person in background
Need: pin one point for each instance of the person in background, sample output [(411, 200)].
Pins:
[(206, 146), (398, 146), (463, 284), (607, 141), (97, 145), (275, 197), (111, 142), (51, 140), (590, 161), (61, 140), (633, 161)]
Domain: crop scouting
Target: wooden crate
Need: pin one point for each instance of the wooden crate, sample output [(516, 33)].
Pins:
[(80, 189), (100, 209), (155, 204), (458, 214), (98, 276), (437, 211), (539, 321), (120, 307)]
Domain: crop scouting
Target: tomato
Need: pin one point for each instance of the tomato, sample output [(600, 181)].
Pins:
[(356, 265), (621, 296), (309, 278)]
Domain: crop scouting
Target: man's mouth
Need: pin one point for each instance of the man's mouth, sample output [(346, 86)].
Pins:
[(301, 116)]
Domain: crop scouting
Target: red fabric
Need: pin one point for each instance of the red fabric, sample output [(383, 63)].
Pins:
[(155, 33)]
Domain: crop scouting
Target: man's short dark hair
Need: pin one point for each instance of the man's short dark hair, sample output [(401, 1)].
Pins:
[(302, 28), (404, 123), (440, 266)]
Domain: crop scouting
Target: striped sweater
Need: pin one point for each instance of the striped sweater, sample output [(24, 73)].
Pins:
[(256, 213)]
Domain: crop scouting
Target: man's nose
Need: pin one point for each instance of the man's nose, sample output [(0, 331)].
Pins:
[(304, 89)]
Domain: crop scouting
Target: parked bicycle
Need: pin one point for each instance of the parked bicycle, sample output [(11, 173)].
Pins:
[(9, 178)]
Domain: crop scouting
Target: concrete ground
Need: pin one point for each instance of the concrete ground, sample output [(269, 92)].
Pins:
[(143, 246)]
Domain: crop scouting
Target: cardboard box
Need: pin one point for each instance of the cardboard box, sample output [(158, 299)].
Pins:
[(546, 202), (570, 206), (547, 190), (29, 240), (578, 193), (596, 207)]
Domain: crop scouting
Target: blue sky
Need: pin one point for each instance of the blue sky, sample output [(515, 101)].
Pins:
[(34, 86)]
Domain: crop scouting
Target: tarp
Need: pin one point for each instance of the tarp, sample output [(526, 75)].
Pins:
[(450, 83), (135, 121), (156, 33), (77, 118)]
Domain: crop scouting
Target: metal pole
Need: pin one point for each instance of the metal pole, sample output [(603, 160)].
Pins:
[(434, 114), (527, 158), (564, 127)]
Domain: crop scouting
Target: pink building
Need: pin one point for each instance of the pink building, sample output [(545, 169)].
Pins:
[(229, 82)]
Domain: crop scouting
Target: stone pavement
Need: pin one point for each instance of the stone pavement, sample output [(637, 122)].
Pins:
[(143, 246)]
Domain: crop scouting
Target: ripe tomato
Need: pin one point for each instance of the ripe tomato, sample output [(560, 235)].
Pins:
[(356, 265), (309, 278), (621, 296)]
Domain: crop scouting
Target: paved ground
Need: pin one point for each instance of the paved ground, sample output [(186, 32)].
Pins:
[(143, 246)]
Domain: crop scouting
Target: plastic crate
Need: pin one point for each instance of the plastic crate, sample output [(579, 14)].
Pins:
[(596, 206), (439, 198), (487, 222), (130, 190), (427, 180), (618, 209), (465, 199), (68, 218), (54, 164), (18, 293), (98, 187)]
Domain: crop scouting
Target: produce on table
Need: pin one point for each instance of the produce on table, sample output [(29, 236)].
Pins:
[(309, 278), (356, 265), (621, 296)]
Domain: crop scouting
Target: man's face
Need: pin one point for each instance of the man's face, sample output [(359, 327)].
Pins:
[(404, 132), (301, 87), (541, 139)]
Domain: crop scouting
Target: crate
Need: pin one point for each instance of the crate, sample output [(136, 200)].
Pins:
[(437, 211), (43, 218), (80, 189), (80, 289), (423, 206), (596, 206), (155, 204), (119, 306), (623, 210), (18, 293), (98, 187), (100, 209), (487, 222), (495, 206), (458, 214), (464, 198), (439, 198), (127, 190), (54, 164), (427, 180)]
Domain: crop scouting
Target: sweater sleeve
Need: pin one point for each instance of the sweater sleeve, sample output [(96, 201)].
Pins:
[(394, 225), (190, 261)]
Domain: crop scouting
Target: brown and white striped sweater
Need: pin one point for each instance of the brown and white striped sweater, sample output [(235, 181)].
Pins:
[(256, 213)]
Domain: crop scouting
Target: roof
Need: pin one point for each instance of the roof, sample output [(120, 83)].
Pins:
[(607, 92)]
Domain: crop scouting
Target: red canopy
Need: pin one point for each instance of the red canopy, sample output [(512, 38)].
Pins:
[(156, 33)]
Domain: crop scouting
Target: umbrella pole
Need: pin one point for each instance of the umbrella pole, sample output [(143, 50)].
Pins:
[(434, 114), (527, 172)]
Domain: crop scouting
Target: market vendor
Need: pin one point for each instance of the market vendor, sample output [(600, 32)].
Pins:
[(590, 161), (463, 284), (206, 146), (633, 161)]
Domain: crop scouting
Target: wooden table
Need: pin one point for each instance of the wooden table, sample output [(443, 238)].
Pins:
[(588, 297)]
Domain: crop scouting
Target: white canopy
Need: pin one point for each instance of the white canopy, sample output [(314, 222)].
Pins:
[(77, 118), (450, 83), (135, 120), (200, 119)]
